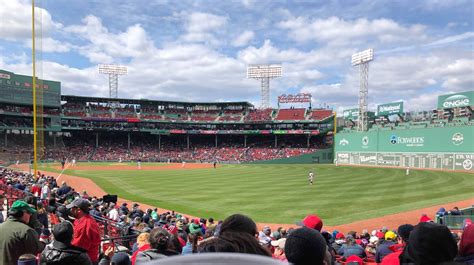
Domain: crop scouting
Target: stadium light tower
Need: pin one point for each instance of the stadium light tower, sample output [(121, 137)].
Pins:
[(264, 72), (113, 71), (362, 59)]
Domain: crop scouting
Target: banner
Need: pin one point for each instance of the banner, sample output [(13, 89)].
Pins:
[(461, 99), (390, 108), (351, 114)]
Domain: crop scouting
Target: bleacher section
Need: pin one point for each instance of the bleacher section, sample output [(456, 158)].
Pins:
[(291, 114), (320, 115)]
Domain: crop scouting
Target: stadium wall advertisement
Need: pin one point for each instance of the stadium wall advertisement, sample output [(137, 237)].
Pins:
[(462, 99), (351, 114), (390, 108), (323, 156), (449, 148)]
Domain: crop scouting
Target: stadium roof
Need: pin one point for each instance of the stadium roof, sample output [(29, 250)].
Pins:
[(150, 102)]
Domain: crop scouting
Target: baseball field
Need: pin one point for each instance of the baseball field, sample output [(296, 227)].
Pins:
[(277, 193)]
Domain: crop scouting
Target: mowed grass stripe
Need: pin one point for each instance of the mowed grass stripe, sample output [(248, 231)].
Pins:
[(281, 194)]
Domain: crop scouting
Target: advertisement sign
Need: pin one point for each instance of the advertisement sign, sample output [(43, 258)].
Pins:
[(390, 108), (461, 99), (351, 114)]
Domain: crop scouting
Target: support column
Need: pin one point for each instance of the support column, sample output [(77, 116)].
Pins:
[(6, 139), (96, 140), (245, 141), (159, 143), (128, 142), (307, 142), (276, 141), (188, 140), (216, 140), (54, 140)]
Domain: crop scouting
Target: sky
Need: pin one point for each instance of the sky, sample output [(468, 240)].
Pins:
[(199, 51)]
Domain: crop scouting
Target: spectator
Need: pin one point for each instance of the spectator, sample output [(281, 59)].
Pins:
[(17, 238), (160, 247), (403, 236), (384, 246), (60, 251), (86, 230), (351, 248), (429, 243), (119, 258), (264, 237), (306, 246), (143, 243), (279, 252), (340, 240), (455, 211), (466, 246), (237, 234), (191, 244), (113, 212)]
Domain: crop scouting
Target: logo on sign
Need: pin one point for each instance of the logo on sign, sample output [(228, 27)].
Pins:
[(456, 101), (343, 142), (467, 164), (458, 138), (365, 140), (393, 139)]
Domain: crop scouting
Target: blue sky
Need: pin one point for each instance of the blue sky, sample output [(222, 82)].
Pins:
[(198, 50)]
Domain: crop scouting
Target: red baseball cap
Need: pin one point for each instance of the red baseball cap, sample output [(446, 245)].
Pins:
[(340, 236), (354, 259), (312, 221)]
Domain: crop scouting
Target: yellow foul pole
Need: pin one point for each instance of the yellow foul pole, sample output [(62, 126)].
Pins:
[(335, 124), (35, 131)]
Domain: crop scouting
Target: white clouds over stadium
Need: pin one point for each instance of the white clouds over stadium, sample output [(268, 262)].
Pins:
[(198, 50)]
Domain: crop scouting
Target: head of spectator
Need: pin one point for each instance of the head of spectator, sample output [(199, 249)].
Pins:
[(27, 259), (424, 218), (239, 223), (466, 245), (404, 232), (306, 246), (63, 232), (429, 243), (354, 260), (159, 239), (390, 236), (21, 211), (312, 221), (120, 258), (79, 207)]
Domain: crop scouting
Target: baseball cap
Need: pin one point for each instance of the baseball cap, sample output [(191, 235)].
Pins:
[(79, 203), (340, 236), (354, 260), (22, 206), (312, 221), (390, 235), (279, 243)]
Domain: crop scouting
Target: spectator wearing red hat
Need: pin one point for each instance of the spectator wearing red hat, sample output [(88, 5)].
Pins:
[(466, 246), (340, 240), (312, 221), (86, 230), (424, 218)]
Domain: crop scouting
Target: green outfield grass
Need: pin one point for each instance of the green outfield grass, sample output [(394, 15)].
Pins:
[(281, 193)]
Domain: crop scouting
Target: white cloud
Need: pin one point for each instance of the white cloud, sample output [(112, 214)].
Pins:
[(200, 27), (243, 39), (335, 31), (50, 45), (15, 20)]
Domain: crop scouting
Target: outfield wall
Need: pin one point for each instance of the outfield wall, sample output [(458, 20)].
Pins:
[(324, 156), (450, 148)]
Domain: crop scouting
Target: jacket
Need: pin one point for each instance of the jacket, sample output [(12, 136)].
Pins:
[(87, 236), (348, 251), (153, 254), (16, 239), (383, 250), (58, 253)]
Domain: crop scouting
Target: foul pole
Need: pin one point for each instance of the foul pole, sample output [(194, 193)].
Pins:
[(33, 59)]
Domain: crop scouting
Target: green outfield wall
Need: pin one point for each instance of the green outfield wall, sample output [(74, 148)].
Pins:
[(324, 156), (438, 148)]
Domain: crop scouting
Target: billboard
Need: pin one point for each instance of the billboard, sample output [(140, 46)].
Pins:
[(351, 114), (461, 99), (17, 89), (390, 108), (443, 148)]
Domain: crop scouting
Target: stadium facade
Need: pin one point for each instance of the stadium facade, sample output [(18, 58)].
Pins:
[(132, 128)]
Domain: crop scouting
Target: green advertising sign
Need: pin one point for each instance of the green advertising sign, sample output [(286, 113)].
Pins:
[(351, 114), (461, 99), (390, 108)]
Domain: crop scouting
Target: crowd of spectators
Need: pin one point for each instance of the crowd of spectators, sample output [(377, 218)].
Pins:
[(75, 238)]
